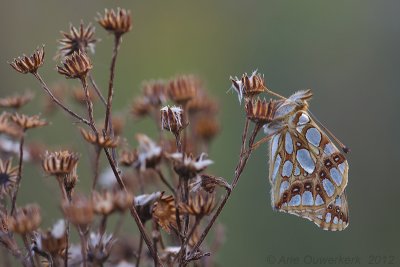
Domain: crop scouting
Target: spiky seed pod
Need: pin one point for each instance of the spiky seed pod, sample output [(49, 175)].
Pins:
[(248, 87), (76, 39), (260, 111), (53, 240), (99, 139), (189, 167), (209, 182), (8, 177), (141, 108), (29, 64), (200, 204), (27, 122), (103, 203), (59, 162), (155, 92), (164, 212), (183, 88), (128, 157), (117, 22), (172, 119), (76, 65), (16, 101), (79, 211), (25, 220)]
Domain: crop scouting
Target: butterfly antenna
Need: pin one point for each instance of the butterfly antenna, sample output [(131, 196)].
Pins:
[(274, 94), (344, 148)]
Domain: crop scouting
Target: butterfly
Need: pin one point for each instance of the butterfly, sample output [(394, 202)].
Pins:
[(307, 171)]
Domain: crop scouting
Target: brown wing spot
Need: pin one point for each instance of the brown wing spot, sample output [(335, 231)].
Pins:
[(322, 175), (307, 186), (329, 207), (318, 188), (328, 163), (296, 190), (284, 197)]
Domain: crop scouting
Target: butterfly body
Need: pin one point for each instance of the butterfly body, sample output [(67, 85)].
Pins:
[(308, 173)]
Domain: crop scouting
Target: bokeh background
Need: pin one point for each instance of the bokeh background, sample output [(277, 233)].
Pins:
[(346, 51)]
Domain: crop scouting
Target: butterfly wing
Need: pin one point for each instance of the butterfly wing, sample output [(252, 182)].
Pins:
[(307, 170)]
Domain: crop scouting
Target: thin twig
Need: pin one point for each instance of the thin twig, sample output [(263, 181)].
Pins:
[(97, 89), (83, 238), (139, 253), (164, 180), (18, 184), (96, 166), (89, 105), (26, 243)]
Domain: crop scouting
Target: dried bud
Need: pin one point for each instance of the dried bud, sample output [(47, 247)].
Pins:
[(248, 86), (164, 212), (206, 128), (76, 65), (99, 248), (25, 220), (123, 200), (70, 181), (155, 92), (29, 64), (9, 128), (149, 153), (27, 122), (59, 163), (117, 22), (141, 107), (103, 203), (79, 211), (260, 111), (16, 101), (100, 140), (209, 182), (188, 167), (53, 240), (200, 204), (172, 119), (77, 39), (128, 157), (8, 177), (183, 88)]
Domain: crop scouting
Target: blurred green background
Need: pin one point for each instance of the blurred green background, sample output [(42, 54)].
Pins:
[(346, 51)]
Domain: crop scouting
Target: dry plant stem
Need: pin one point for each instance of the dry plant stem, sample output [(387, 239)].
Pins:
[(83, 238), (96, 166), (18, 184), (55, 100), (66, 197), (26, 243), (139, 253), (155, 240), (89, 105), (132, 208), (96, 88), (103, 226), (117, 42), (164, 180), (238, 171), (182, 251)]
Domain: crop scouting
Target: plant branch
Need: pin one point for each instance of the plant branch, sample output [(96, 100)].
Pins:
[(97, 89), (18, 184)]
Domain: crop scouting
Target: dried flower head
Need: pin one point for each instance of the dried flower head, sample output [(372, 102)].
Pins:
[(7, 127), (248, 86), (183, 88), (164, 212), (141, 107), (155, 92), (99, 248), (70, 180), (172, 119), (27, 122), (79, 211), (16, 101), (53, 240), (117, 22), (103, 203), (76, 39), (187, 166), (76, 65), (209, 182), (260, 111), (99, 139), (59, 163), (206, 128), (144, 205), (25, 220), (123, 200), (149, 153), (202, 103), (128, 157), (8, 177), (29, 64), (200, 204), (118, 124)]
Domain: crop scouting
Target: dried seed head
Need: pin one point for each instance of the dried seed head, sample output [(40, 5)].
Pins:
[(25, 220), (59, 163), (118, 124), (144, 205), (200, 204), (70, 180), (9, 128), (183, 88), (103, 203), (172, 119), (79, 211), (248, 86), (123, 200), (149, 153), (209, 182), (164, 212), (117, 22), (99, 139), (141, 108), (76, 65), (81, 38), (27, 122), (99, 248), (188, 167), (155, 92), (202, 104), (29, 64), (16, 101), (53, 240), (128, 157), (206, 128), (260, 111), (8, 178)]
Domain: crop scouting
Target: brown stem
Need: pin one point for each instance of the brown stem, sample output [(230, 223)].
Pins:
[(96, 166), (155, 240), (139, 253), (164, 180), (55, 100), (26, 243), (96, 88), (89, 105), (182, 251), (18, 184), (117, 42), (83, 238)]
